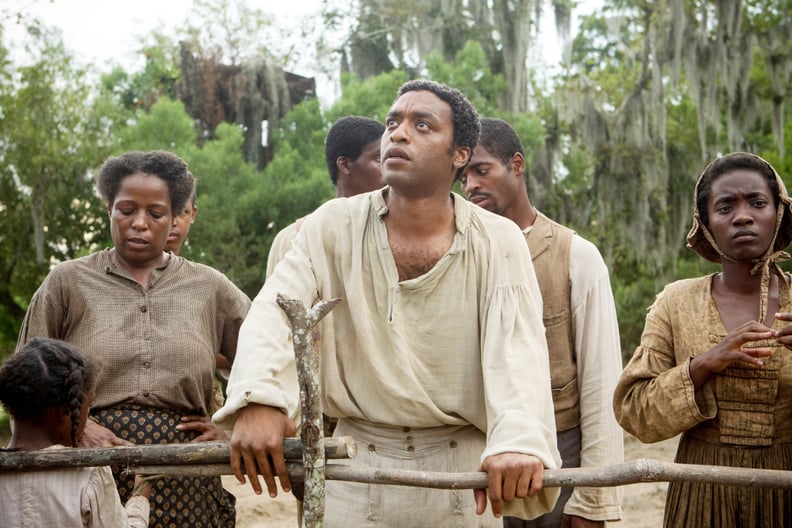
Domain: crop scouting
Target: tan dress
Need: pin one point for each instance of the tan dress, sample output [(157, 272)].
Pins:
[(742, 417)]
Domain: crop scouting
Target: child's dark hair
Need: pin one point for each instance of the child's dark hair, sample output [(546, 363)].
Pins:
[(46, 374)]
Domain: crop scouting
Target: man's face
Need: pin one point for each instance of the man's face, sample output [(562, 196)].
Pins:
[(490, 184), (418, 154), (363, 174), (180, 227)]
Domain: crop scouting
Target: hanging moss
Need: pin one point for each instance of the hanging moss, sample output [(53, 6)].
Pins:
[(247, 94)]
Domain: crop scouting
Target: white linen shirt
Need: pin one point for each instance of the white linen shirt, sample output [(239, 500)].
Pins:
[(461, 344)]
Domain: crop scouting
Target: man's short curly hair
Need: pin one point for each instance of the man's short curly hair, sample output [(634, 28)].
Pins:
[(166, 166), (500, 139), (465, 118)]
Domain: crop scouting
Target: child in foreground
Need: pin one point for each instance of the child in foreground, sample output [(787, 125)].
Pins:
[(47, 388)]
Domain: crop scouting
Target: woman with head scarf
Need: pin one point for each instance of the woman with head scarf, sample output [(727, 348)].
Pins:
[(714, 360)]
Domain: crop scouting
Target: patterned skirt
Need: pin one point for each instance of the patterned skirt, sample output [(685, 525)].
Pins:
[(694, 504), (194, 502)]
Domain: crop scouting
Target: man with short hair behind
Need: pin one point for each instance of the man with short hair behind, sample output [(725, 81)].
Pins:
[(435, 359), (352, 152), (580, 319)]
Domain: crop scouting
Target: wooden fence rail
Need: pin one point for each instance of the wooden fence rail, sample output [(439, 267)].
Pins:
[(170, 454), (211, 458), (631, 472)]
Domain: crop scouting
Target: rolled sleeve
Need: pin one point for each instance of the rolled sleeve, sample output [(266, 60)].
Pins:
[(264, 370)]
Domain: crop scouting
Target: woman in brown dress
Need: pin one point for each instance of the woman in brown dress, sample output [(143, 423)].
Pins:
[(155, 321), (714, 361)]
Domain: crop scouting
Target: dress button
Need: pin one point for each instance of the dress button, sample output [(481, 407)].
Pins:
[(409, 438), (371, 447), (143, 309), (406, 429), (452, 444), (410, 449)]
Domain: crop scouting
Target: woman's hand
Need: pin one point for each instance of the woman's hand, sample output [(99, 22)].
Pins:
[(784, 336), (732, 350), (96, 435), (203, 424)]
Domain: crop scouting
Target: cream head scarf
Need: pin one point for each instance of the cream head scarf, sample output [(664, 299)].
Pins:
[(701, 241)]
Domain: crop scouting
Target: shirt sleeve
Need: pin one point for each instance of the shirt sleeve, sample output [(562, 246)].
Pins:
[(516, 371), (234, 306), (599, 363), (101, 506), (264, 370), (45, 313), (655, 399), (280, 246)]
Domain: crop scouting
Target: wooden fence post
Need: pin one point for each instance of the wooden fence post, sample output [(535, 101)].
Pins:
[(311, 428)]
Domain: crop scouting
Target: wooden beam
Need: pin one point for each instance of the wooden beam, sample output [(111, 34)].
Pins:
[(157, 454), (632, 472)]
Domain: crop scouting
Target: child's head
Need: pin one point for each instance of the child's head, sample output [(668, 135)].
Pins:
[(47, 374)]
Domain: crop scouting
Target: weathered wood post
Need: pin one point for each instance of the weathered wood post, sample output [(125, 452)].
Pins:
[(311, 429)]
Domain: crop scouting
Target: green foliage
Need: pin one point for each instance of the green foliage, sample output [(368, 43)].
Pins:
[(470, 73), (5, 428), (166, 126), (158, 78), (227, 188), (371, 97), (54, 131)]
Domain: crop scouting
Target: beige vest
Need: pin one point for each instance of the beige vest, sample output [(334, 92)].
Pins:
[(549, 243)]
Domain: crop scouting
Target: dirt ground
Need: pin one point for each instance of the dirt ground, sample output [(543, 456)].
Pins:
[(642, 505)]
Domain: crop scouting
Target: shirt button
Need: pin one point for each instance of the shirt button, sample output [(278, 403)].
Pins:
[(146, 365), (452, 444), (371, 447), (143, 309), (145, 394), (410, 449), (409, 439), (406, 429)]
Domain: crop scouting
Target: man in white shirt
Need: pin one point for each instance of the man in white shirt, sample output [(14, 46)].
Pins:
[(580, 319), (436, 358)]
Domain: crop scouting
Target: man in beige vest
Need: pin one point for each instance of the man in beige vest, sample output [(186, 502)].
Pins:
[(580, 320)]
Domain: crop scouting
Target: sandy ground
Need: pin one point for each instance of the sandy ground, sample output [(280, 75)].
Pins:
[(642, 504)]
